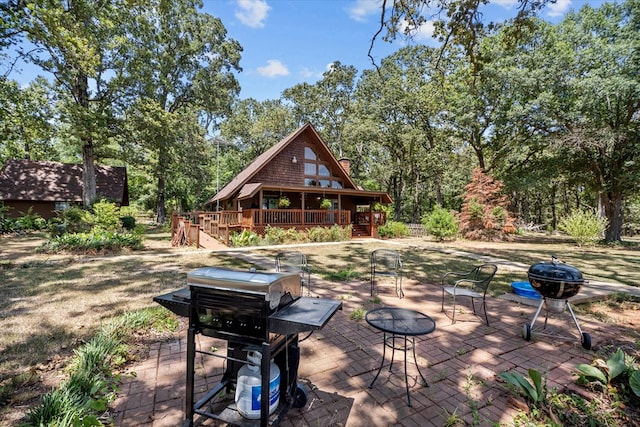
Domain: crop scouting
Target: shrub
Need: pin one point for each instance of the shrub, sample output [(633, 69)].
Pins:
[(393, 229), (319, 234), (106, 215), (243, 239), (274, 235), (30, 221), (441, 224), (94, 241), (74, 219), (128, 222), (484, 213), (583, 226)]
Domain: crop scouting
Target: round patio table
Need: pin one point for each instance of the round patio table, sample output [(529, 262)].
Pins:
[(404, 325)]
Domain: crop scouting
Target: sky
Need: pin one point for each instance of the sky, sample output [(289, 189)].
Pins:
[(287, 42)]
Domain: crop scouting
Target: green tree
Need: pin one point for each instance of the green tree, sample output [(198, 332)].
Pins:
[(255, 126), (79, 43), (397, 117), (584, 100), (181, 72), (25, 116), (327, 104)]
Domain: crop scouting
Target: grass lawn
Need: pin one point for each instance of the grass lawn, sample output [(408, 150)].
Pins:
[(51, 304)]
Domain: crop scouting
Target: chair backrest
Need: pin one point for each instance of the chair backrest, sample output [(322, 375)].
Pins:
[(386, 260), (292, 262), (483, 275)]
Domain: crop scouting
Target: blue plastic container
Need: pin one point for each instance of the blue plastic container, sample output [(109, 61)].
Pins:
[(524, 289)]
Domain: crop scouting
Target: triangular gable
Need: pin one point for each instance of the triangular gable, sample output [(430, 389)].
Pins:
[(262, 161)]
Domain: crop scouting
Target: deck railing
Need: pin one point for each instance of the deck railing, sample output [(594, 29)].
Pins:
[(294, 217), (222, 224)]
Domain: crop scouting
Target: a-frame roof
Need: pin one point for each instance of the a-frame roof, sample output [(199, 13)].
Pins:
[(240, 185)]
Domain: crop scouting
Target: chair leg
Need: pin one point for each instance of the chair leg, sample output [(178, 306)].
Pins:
[(453, 315), (484, 307)]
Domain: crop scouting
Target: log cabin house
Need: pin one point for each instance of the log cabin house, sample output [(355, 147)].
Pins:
[(298, 183)]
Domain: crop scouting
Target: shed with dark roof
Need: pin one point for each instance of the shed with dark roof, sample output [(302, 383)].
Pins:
[(47, 187)]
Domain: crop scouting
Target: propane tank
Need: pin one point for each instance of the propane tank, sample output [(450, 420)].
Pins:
[(249, 387)]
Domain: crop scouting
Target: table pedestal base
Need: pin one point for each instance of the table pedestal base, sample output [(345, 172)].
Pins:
[(408, 344)]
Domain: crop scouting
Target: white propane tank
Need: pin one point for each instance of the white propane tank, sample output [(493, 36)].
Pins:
[(249, 387)]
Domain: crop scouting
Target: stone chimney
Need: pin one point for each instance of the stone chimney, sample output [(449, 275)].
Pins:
[(346, 165)]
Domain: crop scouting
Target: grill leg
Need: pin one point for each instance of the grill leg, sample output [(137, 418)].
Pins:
[(191, 355), (535, 316)]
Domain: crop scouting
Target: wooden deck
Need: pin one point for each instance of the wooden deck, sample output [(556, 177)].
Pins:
[(186, 229)]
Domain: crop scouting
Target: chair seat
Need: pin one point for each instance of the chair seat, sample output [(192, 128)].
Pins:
[(473, 284), (462, 292)]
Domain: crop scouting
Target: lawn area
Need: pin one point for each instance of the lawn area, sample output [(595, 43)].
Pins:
[(51, 304)]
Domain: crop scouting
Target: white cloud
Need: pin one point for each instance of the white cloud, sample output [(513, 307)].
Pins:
[(307, 73), (507, 4), (252, 13), (423, 32), (363, 8), (274, 68), (558, 8)]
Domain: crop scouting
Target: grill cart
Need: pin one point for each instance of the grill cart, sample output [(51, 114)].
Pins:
[(254, 312)]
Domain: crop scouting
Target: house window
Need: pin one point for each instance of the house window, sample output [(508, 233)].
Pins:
[(318, 173), (61, 206)]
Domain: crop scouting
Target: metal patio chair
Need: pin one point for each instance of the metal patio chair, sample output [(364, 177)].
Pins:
[(295, 262), (473, 284), (387, 263)]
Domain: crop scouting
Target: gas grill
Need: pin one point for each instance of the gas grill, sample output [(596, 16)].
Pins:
[(252, 311)]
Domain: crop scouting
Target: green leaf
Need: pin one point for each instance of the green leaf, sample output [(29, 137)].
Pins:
[(536, 376), (634, 382), (521, 383), (616, 364), (592, 372)]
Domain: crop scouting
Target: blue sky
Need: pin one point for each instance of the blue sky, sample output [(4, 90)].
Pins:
[(287, 42)]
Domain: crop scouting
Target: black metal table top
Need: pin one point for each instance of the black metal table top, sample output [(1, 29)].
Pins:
[(400, 321)]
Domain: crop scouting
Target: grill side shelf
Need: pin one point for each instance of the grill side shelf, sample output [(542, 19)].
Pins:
[(177, 301), (305, 314)]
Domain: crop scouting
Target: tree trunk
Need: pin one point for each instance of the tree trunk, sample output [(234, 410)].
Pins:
[(611, 206), (161, 212), (88, 175), (81, 95)]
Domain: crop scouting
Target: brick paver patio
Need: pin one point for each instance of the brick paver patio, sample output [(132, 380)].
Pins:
[(460, 361)]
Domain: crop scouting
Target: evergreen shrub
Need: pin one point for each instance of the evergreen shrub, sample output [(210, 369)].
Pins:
[(441, 224)]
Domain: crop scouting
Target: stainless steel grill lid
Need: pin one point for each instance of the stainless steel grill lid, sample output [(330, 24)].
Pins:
[(272, 285)]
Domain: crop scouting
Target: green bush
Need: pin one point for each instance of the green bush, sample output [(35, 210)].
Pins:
[(30, 221), (243, 239), (128, 222), (583, 226), (106, 215), (74, 219), (94, 241), (393, 229), (441, 224), (274, 235)]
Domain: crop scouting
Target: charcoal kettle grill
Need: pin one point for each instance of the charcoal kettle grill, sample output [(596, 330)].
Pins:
[(252, 311), (556, 282)]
